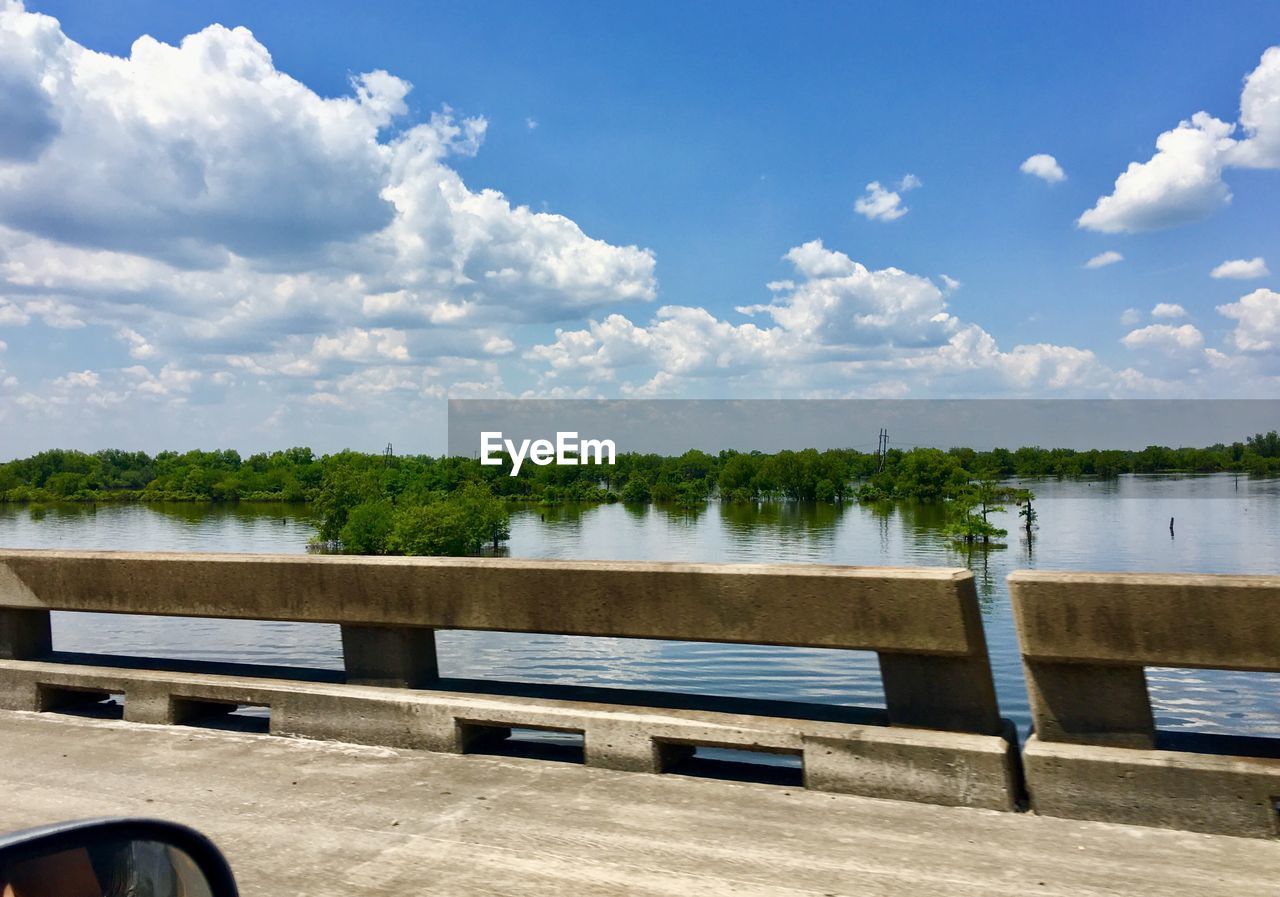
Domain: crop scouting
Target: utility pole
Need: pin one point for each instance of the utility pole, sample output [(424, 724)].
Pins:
[(387, 455), (882, 448)]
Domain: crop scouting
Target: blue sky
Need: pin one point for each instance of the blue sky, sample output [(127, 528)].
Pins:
[(198, 245)]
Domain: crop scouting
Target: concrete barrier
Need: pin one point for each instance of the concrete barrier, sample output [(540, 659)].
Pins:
[(942, 742), (1086, 640)]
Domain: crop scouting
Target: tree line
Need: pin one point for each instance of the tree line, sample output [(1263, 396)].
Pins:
[(424, 505), (299, 475)]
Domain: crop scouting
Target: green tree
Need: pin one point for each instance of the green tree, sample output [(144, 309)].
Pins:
[(461, 524), (636, 491), (927, 474), (968, 512), (368, 528), (1264, 445)]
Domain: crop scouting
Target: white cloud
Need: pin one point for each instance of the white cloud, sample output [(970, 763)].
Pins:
[(839, 328), (680, 340), (841, 302), (169, 381), (356, 344), (1260, 116), (1165, 336), (531, 124), (1183, 182), (1257, 318), (327, 398), (202, 204), (1169, 358), (79, 379), (1043, 166), (950, 284), (880, 204), (1168, 310), (1102, 259), (499, 345), (12, 315), (1180, 184), (196, 149), (139, 348), (1241, 269), (55, 313)]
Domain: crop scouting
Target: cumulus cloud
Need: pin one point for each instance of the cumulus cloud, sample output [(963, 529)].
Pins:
[(1241, 269), (1260, 116), (881, 204), (1165, 336), (356, 344), (168, 381), (1257, 318), (499, 345), (838, 328), (12, 315), (196, 148), (1183, 181), (79, 379), (1168, 310), (1102, 259), (1166, 355), (841, 302), (1043, 166), (138, 346), (201, 203)]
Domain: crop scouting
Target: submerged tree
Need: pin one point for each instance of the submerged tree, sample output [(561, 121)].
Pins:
[(969, 508), (457, 523), (1023, 498)]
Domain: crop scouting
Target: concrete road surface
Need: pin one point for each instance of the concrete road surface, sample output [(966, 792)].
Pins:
[(312, 818)]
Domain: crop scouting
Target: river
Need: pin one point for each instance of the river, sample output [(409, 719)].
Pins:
[(1220, 526)]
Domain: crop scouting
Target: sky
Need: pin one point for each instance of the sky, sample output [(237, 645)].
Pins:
[(260, 225)]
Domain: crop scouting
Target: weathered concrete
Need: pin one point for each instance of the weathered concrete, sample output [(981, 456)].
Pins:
[(947, 768), (1086, 639), (394, 656), (924, 622), (910, 610), (329, 820), (1149, 619), (23, 632), (1196, 792), (1080, 703)]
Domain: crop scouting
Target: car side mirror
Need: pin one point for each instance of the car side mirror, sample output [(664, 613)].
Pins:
[(113, 858)]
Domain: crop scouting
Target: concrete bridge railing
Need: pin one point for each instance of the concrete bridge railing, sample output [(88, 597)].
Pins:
[(1086, 641), (940, 740)]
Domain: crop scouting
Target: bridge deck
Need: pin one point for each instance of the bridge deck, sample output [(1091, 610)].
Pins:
[(311, 818)]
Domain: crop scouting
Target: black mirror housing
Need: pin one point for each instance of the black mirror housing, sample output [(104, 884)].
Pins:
[(97, 857)]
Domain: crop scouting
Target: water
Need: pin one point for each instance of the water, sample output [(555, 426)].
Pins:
[(1220, 527)]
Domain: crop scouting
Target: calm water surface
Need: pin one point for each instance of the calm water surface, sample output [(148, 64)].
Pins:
[(1220, 527)]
